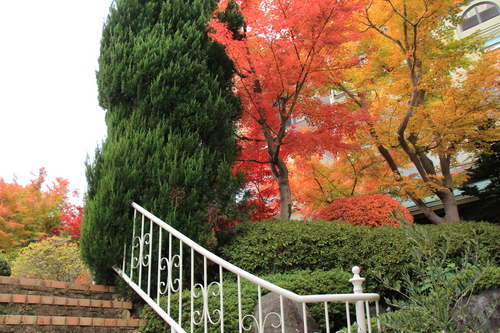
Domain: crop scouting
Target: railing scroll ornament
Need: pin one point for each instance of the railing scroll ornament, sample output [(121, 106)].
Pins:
[(200, 305)]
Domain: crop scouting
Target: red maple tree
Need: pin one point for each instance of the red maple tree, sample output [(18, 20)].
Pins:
[(280, 54), (72, 221), (373, 210)]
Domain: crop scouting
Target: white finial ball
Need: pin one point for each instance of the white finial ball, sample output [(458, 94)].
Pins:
[(356, 270)]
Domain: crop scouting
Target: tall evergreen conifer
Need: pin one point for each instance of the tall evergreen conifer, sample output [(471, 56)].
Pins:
[(170, 114)]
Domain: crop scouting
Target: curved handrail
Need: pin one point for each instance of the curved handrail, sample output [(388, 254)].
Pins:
[(255, 279)]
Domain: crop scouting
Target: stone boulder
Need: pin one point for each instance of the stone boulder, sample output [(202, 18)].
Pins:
[(292, 313), (486, 306)]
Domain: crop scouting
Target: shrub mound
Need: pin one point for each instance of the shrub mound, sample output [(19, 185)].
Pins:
[(304, 282), (373, 210), (315, 257), (277, 247), (53, 258), (4, 267)]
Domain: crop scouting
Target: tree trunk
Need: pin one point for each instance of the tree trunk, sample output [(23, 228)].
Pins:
[(445, 195), (285, 199), (280, 173), (449, 204)]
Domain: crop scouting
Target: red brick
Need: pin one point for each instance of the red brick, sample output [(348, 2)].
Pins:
[(5, 298), (55, 284), (84, 302), (133, 323), (60, 300), (33, 299), (127, 305), (47, 300), (96, 287), (78, 286), (13, 320), (59, 321), (6, 280), (19, 298), (44, 320), (84, 321), (121, 322), (29, 320), (110, 322), (72, 321), (117, 305), (97, 321), (71, 301), (106, 304), (29, 282), (95, 303)]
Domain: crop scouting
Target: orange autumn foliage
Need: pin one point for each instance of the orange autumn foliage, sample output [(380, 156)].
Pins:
[(372, 210), (280, 55), (433, 98), (31, 212), (320, 180)]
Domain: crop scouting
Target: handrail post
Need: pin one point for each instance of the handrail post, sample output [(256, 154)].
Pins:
[(357, 281)]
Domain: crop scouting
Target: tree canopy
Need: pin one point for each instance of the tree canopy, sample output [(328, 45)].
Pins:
[(28, 213), (280, 55), (170, 113), (432, 97)]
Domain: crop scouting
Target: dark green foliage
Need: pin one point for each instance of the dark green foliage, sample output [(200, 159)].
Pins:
[(433, 292), (316, 258), (306, 282), (4, 267), (487, 166), (301, 282), (489, 279), (170, 114), (282, 246), (234, 19)]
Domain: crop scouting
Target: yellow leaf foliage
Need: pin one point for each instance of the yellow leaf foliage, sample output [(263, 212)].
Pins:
[(432, 98), (54, 258)]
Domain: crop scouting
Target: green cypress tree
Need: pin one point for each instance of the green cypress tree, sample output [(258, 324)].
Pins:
[(171, 116)]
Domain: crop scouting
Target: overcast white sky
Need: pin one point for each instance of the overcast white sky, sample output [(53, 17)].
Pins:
[(49, 114)]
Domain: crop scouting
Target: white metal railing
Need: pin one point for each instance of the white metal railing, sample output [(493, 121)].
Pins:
[(157, 270)]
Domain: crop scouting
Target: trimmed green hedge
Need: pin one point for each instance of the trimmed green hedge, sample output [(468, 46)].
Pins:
[(284, 246), (303, 282), (316, 258)]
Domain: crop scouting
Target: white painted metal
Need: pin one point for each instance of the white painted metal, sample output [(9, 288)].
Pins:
[(170, 265), (357, 281), (151, 302)]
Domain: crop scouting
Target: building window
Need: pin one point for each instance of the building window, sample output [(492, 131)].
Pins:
[(478, 14)]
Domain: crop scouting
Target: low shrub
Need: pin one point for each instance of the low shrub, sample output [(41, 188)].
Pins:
[(315, 257), (284, 246), (372, 210), (301, 282), (489, 279), (51, 259), (4, 267), (433, 290)]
